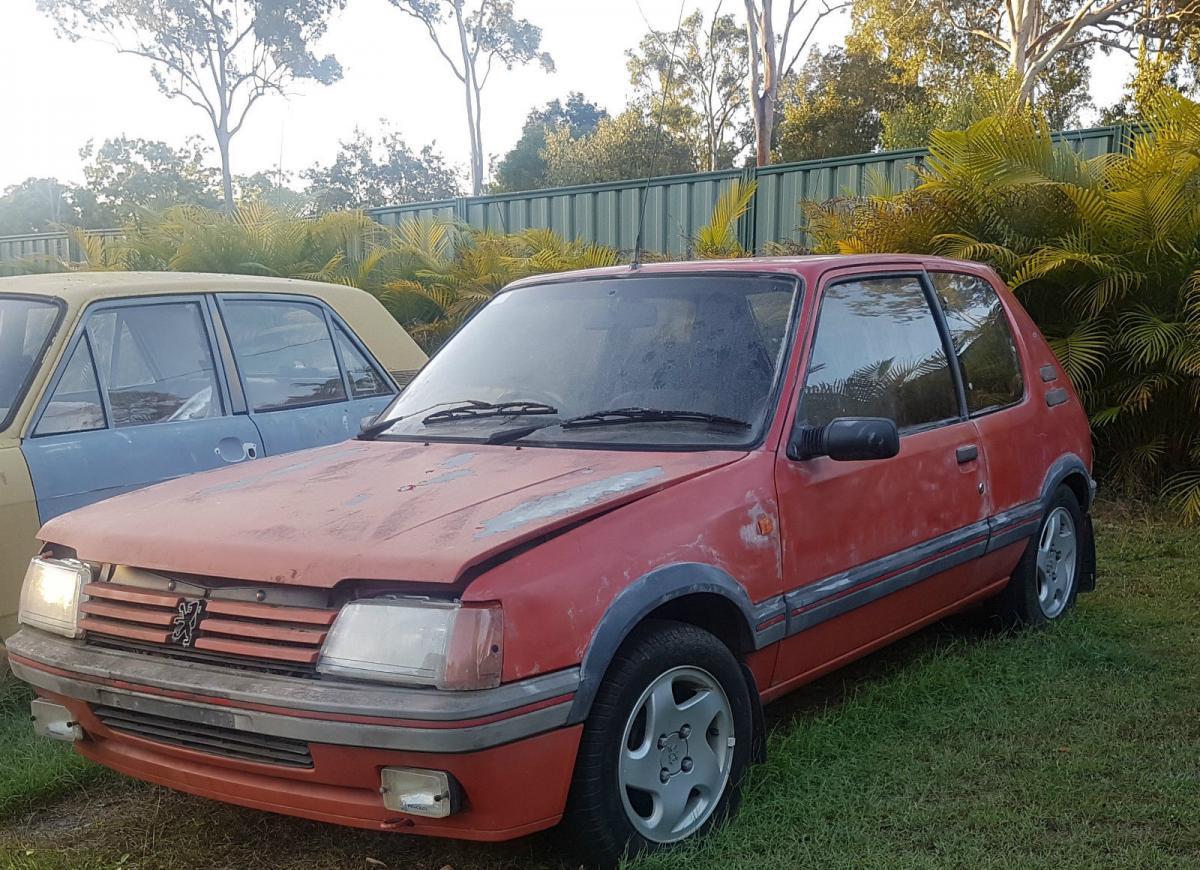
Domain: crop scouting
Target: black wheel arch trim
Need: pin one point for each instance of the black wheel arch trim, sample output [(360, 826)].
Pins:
[(1059, 471), (645, 595)]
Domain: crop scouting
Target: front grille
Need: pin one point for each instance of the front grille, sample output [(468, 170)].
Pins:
[(212, 739), (269, 637)]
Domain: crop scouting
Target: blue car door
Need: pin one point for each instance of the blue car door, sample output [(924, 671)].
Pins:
[(307, 379), (140, 397)]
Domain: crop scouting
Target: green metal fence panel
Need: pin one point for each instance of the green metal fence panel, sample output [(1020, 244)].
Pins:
[(674, 206)]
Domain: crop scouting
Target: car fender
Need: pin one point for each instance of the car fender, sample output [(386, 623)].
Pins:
[(641, 598)]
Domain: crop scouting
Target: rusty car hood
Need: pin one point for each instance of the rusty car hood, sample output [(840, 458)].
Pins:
[(382, 510)]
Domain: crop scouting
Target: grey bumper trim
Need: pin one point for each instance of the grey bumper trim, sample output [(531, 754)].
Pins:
[(312, 696), (390, 737)]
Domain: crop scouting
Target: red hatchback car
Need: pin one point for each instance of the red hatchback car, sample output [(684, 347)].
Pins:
[(617, 513)]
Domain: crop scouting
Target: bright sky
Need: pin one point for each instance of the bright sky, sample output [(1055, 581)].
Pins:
[(57, 94)]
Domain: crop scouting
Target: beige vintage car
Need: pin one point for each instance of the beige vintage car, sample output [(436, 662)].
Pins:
[(112, 381)]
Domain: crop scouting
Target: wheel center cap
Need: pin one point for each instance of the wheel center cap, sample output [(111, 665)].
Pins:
[(673, 752)]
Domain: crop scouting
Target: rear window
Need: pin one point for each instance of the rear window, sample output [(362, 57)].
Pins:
[(25, 328)]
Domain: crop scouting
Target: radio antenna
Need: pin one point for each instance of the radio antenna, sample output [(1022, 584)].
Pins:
[(662, 107)]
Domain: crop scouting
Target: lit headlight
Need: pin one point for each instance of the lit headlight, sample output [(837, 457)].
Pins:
[(417, 642), (51, 594)]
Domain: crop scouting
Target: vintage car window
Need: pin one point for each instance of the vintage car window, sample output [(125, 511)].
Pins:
[(878, 353), (711, 344), (983, 340), (156, 363), (75, 405), (284, 352), (365, 379), (25, 327)]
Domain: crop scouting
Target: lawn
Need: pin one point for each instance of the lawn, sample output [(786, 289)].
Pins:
[(1078, 746)]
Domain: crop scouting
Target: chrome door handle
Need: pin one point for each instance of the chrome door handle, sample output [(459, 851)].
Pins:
[(966, 453)]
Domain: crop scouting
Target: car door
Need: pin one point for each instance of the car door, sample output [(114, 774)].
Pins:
[(874, 547), (307, 379), (139, 398)]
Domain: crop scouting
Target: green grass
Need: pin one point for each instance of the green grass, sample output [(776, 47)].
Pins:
[(32, 770), (1077, 746)]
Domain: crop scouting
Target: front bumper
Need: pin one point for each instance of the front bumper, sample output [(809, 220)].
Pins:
[(489, 741)]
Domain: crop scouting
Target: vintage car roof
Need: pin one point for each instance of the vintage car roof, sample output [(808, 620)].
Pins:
[(82, 287), (362, 312)]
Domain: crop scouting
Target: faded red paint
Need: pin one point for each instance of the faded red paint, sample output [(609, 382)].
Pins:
[(444, 514), (365, 510)]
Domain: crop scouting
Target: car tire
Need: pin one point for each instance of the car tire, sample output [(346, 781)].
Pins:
[(664, 748), (1045, 583)]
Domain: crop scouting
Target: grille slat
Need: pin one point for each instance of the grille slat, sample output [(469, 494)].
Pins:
[(213, 739), (259, 636)]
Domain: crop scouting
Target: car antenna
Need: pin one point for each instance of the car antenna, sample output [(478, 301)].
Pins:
[(662, 107)]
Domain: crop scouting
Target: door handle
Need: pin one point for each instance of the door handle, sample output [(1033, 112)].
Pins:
[(232, 450), (966, 453)]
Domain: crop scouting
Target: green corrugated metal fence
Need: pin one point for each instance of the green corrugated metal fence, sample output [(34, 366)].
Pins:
[(675, 206)]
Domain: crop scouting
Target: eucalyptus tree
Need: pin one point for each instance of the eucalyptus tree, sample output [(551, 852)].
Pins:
[(776, 42), (221, 56), (705, 64), (473, 38)]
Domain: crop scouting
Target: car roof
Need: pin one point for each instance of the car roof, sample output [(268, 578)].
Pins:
[(805, 266), (79, 288)]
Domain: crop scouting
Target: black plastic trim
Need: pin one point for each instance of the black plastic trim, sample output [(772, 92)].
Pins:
[(1057, 396), (1049, 373), (635, 602)]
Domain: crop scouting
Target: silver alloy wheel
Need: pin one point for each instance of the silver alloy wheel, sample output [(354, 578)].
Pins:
[(1056, 562), (676, 754)]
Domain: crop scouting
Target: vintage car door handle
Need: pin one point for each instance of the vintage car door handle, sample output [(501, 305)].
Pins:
[(966, 453)]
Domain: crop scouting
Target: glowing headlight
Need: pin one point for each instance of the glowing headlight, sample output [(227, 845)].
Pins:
[(417, 642), (51, 594)]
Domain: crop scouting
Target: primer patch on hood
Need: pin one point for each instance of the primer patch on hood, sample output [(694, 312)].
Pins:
[(568, 501)]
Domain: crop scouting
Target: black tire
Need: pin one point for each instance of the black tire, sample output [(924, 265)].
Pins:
[(596, 824), (1021, 604)]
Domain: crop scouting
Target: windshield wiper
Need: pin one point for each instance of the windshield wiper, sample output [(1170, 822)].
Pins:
[(373, 430), (616, 416), (476, 409)]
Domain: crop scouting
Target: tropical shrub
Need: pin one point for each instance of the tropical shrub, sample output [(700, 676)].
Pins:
[(1103, 252)]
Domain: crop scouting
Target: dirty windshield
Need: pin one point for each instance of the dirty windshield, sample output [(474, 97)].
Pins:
[(25, 326), (636, 360)]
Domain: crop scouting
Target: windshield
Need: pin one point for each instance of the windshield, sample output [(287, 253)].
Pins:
[(25, 326), (543, 355)]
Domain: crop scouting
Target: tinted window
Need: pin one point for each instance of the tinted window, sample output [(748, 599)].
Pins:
[(75, 405), (285, 354), (711, 345), (25, 326), (365, 379), (878, 353), (983, 340), (156, 363)]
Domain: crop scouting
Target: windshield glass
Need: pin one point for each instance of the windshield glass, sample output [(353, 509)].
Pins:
[(25, 326), (547, 353)]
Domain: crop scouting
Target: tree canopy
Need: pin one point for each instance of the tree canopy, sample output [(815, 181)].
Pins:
[(221, 56), (375, 172), (524, 167), (627, 146)]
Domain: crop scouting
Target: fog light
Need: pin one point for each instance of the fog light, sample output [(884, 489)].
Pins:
[(432, 793)]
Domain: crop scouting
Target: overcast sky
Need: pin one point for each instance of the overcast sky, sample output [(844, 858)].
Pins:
[(56, 95)]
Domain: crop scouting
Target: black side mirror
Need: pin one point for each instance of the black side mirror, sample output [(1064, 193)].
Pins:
[(847, 439)]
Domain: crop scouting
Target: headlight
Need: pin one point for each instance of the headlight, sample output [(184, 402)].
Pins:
[(51, 594), (417, 642)]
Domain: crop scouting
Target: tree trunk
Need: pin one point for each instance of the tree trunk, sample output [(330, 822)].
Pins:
[(471, 93), (223, 138)]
